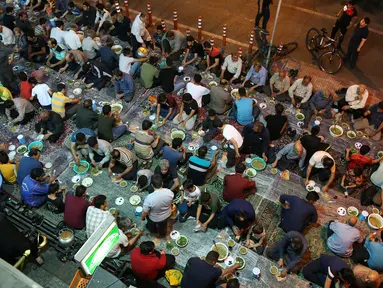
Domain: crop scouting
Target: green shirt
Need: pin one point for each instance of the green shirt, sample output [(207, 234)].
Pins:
[(214, 206), (148, 72)]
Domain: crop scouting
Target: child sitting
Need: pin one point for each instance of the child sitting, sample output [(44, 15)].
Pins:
[(25, 86), (7, 169), (189, 196), (256, 239), (56, 198)]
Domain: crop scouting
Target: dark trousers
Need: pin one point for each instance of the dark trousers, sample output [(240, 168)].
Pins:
[(352, 54), (159, 228), (266, 16), (99, 83), (135, 45), (357, 113), (119, 168), (231, 159), (314, 274), (205, 214), (249, 84), (273, 253), (228, 76), (309, 112), (53, 138), (174, 56), (27, 117), (97, 158), (360, 255), (323, 174)]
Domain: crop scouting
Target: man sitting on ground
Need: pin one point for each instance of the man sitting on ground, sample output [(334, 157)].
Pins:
[(75, 208), (214, 59), (27, 163), (194, 52), (319, 105), (33, 191), (256, 78), (289, 155), (209, 126), (63, 105), (277, 123), (196, 90), (323, 164), (124, 163), (96, 214), (168, 76), (366, 277), (37, 48), (245, 110), (187, 116), (279, 85), (86, 117), (99, 152), (56, 58), (51, 125), (232, 68), (144, 178), (207, 211), (78, 145), (123, 86), (372, 122), (298, 213), (236, 186), (175, 154), (341, 236), (173, 44), (299, 93), (354, 101), (166, 108), (220, 99), (200, 169), (95, 74), (235, 142), (360, 160), (109, 125), (19, 111), (169, 176), (146, 145), (256, 140)]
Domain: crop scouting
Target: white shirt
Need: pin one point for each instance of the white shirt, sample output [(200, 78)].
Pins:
[(41, 90), (355, 100), (197, 91), (377, 177), (229, 132), (57, 34), (7, 35), (103, 16), (159, 204), (192, 196), (125, 63), (116, 250), (138, 28), (301, 91), (231, 66), (89, 46), (316, 160), (71, 39)]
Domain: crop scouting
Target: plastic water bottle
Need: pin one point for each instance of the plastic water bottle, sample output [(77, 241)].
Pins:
[(94, 106)]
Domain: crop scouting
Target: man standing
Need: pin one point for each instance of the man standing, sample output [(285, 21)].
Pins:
[(263, 11), (357, 41), (345, 16), (137, 32)]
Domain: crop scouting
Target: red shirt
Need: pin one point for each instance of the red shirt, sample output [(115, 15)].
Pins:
[(357, 160), (237, 187), (146, 266), (25, 90), (75, 211)]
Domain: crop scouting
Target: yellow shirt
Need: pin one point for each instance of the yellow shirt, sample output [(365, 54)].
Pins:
[(58, 103), (5, 94), (8, 172)]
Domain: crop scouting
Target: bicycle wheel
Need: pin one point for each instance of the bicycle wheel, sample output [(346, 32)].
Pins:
[(288, 48), (265, 51), (311, 39), (330, 62)]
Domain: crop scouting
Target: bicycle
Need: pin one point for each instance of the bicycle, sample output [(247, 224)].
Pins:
[(330, 61)]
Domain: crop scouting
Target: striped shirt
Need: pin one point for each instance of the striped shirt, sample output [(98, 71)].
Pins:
[(143, 144), (127, 158), (58, 103), (198, 169)]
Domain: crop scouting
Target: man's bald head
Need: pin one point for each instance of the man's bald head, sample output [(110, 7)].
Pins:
[(298, 148), (352, 220), (44, 115), (372, 276)]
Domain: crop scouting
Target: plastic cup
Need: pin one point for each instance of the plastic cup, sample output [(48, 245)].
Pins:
[(12, 155), (21, 139), (138, 211), (256, 273), (316, 123), (363, 216)]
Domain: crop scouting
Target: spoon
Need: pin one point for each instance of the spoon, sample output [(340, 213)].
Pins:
[(215, 245)]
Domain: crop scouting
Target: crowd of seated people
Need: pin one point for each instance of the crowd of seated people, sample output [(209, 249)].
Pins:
[(248, 131)]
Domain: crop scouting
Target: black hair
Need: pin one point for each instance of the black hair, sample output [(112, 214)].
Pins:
[(312, 196), (367, 20), (22, 76), (358, 171), (347, 275), (197, 78), (4, 157), (30, 33), (53, 41), (92, 141), (212, 256), (86, 4), (142, 181), (205, 197), (115, 154), (60, 23), (33, 152), (297, 242), (240, 168), (233, 283), (146, 124), (106, 109), (36, 173), (242, 91), (206, 45), (8, 104), (126, 51), (187, 97), (169, 62), (87, 103), (99, 200), (71, 4), (42, 21), (315, 130), (53, 188), (100, 6), (80, 190), (170, 34), (118, 73), (80, 137), (279, 108), (153, 60), (176, 143), (146, 247), (380, 105), (307, 77), (212, 112), (85, 68), (327, 162), (156, 181), (189, 38), (240, 219), (159, 27), (202, 151), (60, 87), (161, 98), (9, 9), (32, 81), (188, 184), (364, 149)]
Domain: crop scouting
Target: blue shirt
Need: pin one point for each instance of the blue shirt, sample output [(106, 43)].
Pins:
[(375, 249), (125, 85), (244, 111), (376, 117), (25, 168), (88, 133), (109, 57), (33, 193), (197, 170), (235, 206), (299, 215), (258, 78), (172, 156)]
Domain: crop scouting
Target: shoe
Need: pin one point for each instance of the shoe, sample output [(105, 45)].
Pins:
[(183, 218)]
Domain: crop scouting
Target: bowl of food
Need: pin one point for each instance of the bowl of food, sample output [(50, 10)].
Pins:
[(231, 243), (21, 149), (77, 84), (142, 52), (213, 83), (379, 154), (250, 172), (178, 134), (375, 210), (77, 91), (336, 130), (87, 182), (112, 211), (274, 270), (300, 116), (310, 188), (117, 49), (274, 171), (72, 164), (175, 251), (134, 231), (241, 262), (116, 107), (243, 250), (75, 186), (123, 184), (375, 221), (258, 163), (351, 134), (222, 250), (48, 165), (36, 144), (82, 168), (135, 200), (134, 189), (234, 93), (182, 241), (352, 211)]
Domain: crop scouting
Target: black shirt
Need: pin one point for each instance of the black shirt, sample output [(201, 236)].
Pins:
[(54, 124), (89, 16), (25, 26), (199, 273), (169, 176), (197, 48), (257, 143), (188, 107), (86, 118), (345, 18), (38, 44), (209, 124), (105, 126), (359, 34), (265, 4), (167, 79), (57, 205), (274, 125), (122, 29), (9, 21), (311, 144)]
